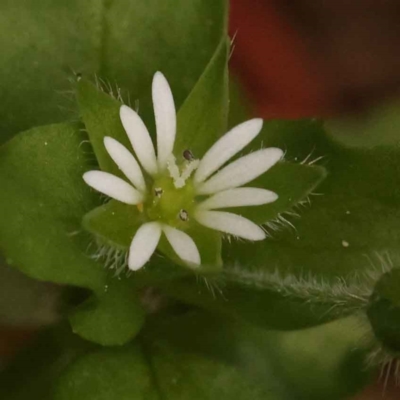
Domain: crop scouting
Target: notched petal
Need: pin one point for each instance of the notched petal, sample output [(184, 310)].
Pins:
[(226, 147), (241, 171), (140, 139), (126, 162), (239, 197), (183, 245), (143, 245), (165, 116), (230, 223), (113, 187)]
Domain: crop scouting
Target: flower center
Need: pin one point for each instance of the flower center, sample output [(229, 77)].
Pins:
[(172, 195)]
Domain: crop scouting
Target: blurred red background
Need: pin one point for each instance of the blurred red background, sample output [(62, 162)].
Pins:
[(316, 58)]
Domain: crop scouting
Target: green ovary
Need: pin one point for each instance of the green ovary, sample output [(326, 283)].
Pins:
[(165, 201)]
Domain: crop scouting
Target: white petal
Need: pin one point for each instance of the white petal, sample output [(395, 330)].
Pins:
[(143, 245), (126, 162), (113, 186), (230, 223), (239, 197), (241, 171), (165, 115), (183, 245), (226, 147), (140, 139)]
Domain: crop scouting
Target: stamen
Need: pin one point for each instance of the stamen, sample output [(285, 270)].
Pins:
[(183, 215), (188, 155), (174, 172), (158, 192)]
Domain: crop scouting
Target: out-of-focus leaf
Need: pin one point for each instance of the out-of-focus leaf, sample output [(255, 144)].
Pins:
[(160, 369), (377, 127), (384, 310), (111, 318), (40, 364), (45, 43), (109, 374), (100, 114), (194, 355), (276, 365), (25, 302)]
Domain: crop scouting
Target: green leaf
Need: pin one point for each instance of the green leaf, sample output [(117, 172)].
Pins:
[(352, 225), (114, 224), (202, 119), (108, 374), (325, 362), (113, 317), (260, 298), (351, 229), (255, 363), (193, 355), (43, 200), (183, 375), (246, 361), (377, 127), (355, 217), (123, 42), (41, 209), (100, 113), (36, 67), (161, 369), (176, 37)]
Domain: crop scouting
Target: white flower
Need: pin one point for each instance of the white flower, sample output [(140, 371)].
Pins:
[(171, 197)]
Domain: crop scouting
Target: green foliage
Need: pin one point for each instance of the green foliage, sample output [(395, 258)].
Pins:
[(46, 43), (194, 355), (44, 198), (39, 365), (334, 235), (108, 374), (100, 114), (377, 127), (113, 317)]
